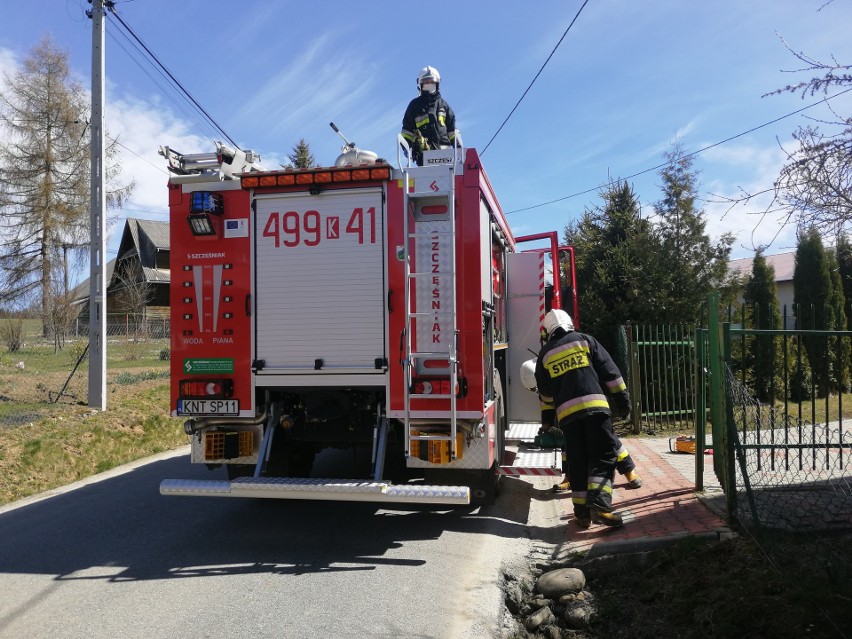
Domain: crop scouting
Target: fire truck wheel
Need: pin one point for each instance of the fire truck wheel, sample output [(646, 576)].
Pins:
[(483, 491)]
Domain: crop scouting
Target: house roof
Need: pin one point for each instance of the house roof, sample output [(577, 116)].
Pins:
[(143, 238), (80, 293), (783, 263), (156, 274)]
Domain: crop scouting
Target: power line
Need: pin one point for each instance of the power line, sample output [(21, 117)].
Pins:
[(579, 11), (167, 91), (701, 150), (129, 150), (174, 80)]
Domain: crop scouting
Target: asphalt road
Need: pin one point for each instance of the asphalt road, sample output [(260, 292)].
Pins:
[(112, 558)]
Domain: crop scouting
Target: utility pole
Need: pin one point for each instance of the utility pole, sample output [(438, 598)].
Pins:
[(97, 250)]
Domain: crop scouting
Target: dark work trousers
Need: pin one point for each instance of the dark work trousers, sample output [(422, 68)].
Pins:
[(624, 462), (593, 449)]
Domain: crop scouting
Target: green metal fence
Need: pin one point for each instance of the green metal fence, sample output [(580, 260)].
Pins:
[(783, 447), (661, 377)]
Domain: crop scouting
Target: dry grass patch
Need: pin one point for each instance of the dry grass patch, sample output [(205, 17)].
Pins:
[(44, 445)]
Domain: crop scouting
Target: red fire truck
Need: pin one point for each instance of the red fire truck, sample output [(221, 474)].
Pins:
[(364, 306)]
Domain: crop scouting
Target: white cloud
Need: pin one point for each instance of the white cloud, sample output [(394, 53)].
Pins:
[(8, 64), (140, 128), (322, 79)]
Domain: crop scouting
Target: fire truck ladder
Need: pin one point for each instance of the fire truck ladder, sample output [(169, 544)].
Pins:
[(429, 200)]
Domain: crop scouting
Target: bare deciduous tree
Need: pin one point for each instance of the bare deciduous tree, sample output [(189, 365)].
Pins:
[(44, 177), (814, 187), (132, 294)]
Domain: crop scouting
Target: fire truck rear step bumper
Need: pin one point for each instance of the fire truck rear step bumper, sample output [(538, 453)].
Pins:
[(318, 489), (522, 458)]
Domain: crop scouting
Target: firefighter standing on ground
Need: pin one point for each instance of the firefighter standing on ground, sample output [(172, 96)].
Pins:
[(571, 373), (624, 462), (429, 122)]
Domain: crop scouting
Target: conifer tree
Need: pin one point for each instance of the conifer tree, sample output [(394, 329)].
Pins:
[(301, 156), (844, 271), (844, 267), (615, 253), (760, 301), (812, 287), (693, 266), (839, 348)]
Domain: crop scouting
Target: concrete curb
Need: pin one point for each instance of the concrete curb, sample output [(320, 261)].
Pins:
[(566, 553)]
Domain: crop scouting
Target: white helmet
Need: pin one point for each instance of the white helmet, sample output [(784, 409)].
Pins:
[(428, 74), (557, 318), (528, 375)]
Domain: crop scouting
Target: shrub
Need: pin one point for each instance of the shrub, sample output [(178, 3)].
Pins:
[(12, 334)]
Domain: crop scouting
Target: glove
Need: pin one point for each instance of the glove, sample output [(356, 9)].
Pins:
[(548, 420), (420, 142), (622, 406)]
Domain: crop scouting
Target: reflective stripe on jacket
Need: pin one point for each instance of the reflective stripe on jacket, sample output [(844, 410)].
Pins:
[(574, 373), (432, 116)]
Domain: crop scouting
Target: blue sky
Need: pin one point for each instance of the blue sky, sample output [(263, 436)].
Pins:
[(629, 78)]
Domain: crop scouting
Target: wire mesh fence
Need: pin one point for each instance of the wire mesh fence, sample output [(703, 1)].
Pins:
[(38, 368), (790, 474)]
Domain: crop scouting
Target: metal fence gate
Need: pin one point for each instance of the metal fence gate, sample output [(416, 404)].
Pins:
[(661, 376), (783, 463)]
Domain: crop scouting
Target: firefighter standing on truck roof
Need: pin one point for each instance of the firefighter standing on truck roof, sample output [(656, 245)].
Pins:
[(429, 122), (624, 462), (572, 371)]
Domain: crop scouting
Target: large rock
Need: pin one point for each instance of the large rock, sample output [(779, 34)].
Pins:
[(577, 617), (538, 618), (558, 582)]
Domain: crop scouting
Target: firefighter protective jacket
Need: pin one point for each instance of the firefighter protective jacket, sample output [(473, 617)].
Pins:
[(575, 374), (430, 114)]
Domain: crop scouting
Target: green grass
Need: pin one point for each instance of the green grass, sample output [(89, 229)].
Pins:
[(823, 409), (125, 377), (48, 441)]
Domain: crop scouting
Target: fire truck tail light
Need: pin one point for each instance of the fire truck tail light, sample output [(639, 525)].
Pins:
[(436, 363), (432, 387), (422, 388), (268, 180), (437, 209), (206, 388), (250, 182), (286, 180)]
